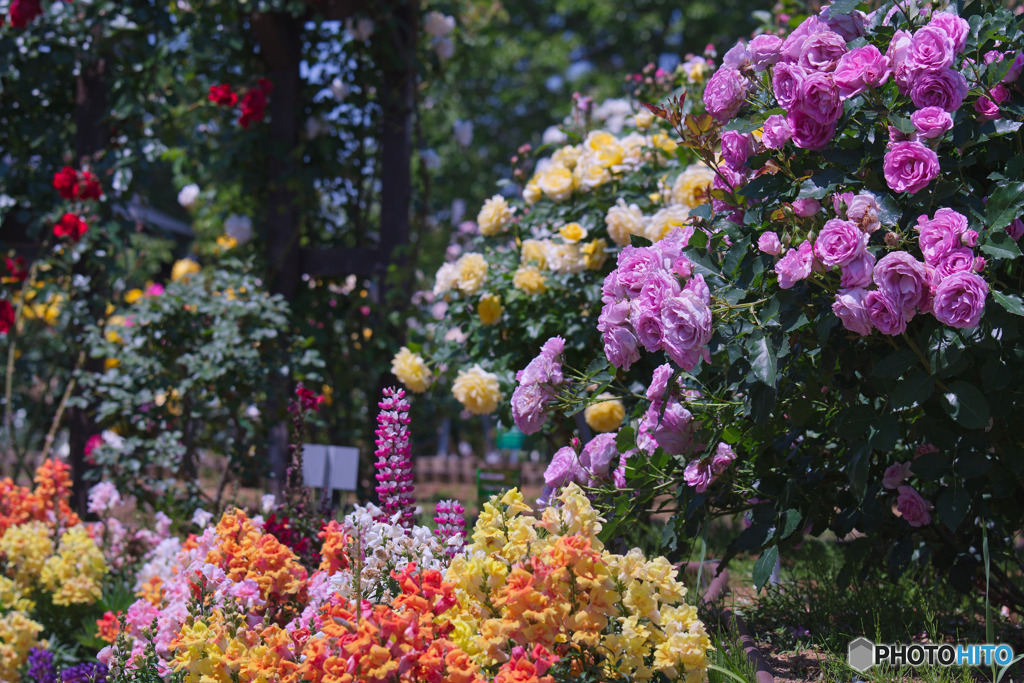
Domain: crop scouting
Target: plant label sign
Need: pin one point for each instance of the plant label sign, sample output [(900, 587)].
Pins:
[(331, 468)]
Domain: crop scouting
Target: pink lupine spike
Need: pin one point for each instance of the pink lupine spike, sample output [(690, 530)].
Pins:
[(394, 463), (451, 526)]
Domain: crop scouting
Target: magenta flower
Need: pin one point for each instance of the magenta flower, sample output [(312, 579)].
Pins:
[(725, 94), (450, 518), (912, 507), (849, 308), (394, 463), (960, 300), (910, 166), (860, 69)]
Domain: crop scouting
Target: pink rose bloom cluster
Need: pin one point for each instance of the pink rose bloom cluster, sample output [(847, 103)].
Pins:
[(537, 386), (946, 284), (912, 507), (703, 472), (598, 462), (667, 423), (652, 300), (923, 63)]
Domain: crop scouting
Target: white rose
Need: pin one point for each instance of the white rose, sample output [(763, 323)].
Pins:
[(444, 48), (239, 227), (554, 135), (339, 89), (623, 221), (188, 196), (438, 25)]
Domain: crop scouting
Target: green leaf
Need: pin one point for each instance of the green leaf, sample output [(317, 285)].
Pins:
[(790, 521), (952, 506), (895, 364), (967, 405), (639, 241), (916, 387), (1010, 302), (1004, 205), (763, 359), (764, 567), (1001, 245), (842, 7)]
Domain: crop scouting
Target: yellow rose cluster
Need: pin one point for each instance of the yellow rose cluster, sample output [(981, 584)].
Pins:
[(411, 370), (477, 390), (549, 581)]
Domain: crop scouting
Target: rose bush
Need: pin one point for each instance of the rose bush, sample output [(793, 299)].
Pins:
[(848, 300)]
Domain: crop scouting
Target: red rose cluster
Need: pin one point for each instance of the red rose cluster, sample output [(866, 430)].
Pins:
[(24, 12), (74, 185), (254, 103)]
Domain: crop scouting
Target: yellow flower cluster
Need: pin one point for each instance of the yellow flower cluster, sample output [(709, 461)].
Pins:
[(606, 415), (411, 370), (18, 635), (225, 649), (490, 309), (75, 574), (477, 390), (549, 581), (494, 216)]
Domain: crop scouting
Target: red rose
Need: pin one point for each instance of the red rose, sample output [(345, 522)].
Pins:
[(223, 95), (65, 181), (266, 86), (254, 105), (70, 226), (16, 269), (308, 399), (6, 316), (90, 186), (23, 12)]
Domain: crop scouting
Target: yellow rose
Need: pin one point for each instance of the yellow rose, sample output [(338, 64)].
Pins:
[(564, 258), (606, 415), (692, 186), (533, 251), (662, 222), (132, 295), (490, 309), (566, 156), (494, 216), (472, 269), (572, 232), (591, 175), (530, 280), (594, 254), (623, 221), (447, 276), (643, 119), (532, 193), (610, 155), (556, 181), (226, 242), (598, 139), (48, 311), (411, 370), (182, 269), (664, 142), (477, 390), (111, 363)]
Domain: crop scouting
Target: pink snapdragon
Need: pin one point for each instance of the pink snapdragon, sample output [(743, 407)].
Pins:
[(450, 518)]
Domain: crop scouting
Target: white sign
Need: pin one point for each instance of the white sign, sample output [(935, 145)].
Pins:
[(330, 467)]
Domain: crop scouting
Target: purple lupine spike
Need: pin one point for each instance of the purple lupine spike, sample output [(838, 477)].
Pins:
[(88, 672), (394, 457), (451, 526), (40, 666)]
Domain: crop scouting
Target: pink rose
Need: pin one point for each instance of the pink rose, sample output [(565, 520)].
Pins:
[(808, 133), (860, 69), (634, 265), (910, 166), (839, 243), (764, 51), (903, 280), (941, 234), (931, 122), (598, 454), (806, 208), (795, 265), (737, 57), (819, 98), (687, 324), (769, 243), (913, 507), (725, 93), (646, 320), (1015, 229), (849, 308), (671, 430), (659, 382), (863, 210), (793, 47), (945, 89), (560, 470), (529, 407), (724, 456), (953, 26), (886, 316), (776, 132), (898, 47), (987, 107), (960, 300), (931, 49), (736, 148), (858, 272), (697, 475), (895, 475), (957, 260), (849, 26), (822, 51), (786, 80), (620, 346)]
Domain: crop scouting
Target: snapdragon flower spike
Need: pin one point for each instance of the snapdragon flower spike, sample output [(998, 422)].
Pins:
[(451, 524), (394, 464)]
